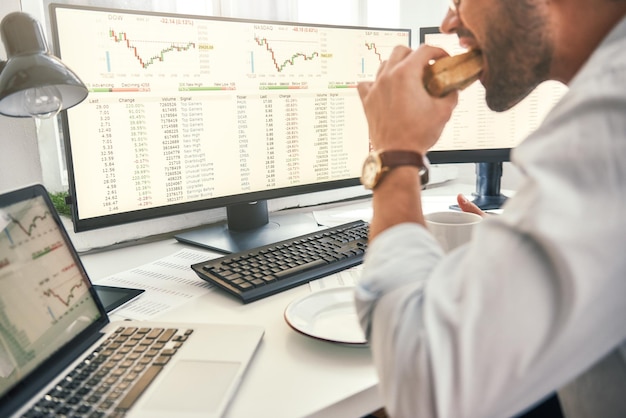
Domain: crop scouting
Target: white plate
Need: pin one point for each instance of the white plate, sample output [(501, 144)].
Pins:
[(328, 315)]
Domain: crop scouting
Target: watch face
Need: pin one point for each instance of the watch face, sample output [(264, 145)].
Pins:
[(371, 170)]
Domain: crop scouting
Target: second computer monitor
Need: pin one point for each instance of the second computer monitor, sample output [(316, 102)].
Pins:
[(476, 134)]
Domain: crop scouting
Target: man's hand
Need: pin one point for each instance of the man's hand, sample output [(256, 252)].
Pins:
[(400, 113), (467, 206)]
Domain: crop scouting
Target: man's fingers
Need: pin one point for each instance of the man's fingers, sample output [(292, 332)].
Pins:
[(363, 88), (467, 206)]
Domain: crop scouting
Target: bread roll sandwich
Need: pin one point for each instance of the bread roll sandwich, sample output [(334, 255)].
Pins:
[(453, 73)]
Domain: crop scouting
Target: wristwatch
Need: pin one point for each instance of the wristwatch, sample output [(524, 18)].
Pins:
[(379, 163)]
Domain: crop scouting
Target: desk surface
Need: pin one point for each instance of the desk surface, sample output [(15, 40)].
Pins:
[(291, 375)]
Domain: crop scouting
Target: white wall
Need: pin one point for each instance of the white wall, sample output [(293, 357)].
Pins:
[(19, 154)]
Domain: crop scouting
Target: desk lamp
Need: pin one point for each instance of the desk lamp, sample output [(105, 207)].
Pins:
[(33, 82)]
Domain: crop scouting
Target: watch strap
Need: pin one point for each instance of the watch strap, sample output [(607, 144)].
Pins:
[(395, 158)]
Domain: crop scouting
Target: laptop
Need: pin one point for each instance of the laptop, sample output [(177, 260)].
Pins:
[(55, 334)]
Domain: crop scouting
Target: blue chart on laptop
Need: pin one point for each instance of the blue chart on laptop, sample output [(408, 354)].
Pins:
[(41, 289)]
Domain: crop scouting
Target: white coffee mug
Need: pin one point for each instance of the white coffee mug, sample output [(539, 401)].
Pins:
[(452, 228)]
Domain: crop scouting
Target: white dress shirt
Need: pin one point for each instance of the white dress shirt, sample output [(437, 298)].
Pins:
[(539, 295)]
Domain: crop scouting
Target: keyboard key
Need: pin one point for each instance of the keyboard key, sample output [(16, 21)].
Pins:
[(139, 387)]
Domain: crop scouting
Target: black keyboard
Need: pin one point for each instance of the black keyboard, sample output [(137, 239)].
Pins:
[(267, 270)]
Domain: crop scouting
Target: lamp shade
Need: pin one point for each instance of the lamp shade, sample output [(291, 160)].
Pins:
[(34, 82)]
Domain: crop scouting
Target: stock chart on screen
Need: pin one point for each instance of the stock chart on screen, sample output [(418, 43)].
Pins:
[(185, 108)]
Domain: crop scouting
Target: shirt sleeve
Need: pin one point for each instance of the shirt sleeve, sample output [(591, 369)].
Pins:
[(539, 294), (487, 330), (407, 242)]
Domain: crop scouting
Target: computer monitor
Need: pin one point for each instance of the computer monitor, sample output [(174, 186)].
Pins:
[(187, 113), (476, 134)]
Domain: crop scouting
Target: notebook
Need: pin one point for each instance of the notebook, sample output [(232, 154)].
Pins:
[(51, 321)]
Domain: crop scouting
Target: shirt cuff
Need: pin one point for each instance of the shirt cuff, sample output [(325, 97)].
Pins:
[(403, 255)]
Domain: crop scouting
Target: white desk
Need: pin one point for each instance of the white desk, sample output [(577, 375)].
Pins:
[(291, 375)]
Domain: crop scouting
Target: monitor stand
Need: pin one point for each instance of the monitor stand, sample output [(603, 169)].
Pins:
[(249, 226), (487, 195)]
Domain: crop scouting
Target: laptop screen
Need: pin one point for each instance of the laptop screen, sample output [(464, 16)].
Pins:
[(45, 296)]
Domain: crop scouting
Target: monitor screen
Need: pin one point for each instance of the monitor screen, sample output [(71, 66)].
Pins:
[(187, 113), (476, 134)]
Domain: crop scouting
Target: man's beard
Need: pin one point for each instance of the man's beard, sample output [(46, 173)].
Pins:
[(518, 56)]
